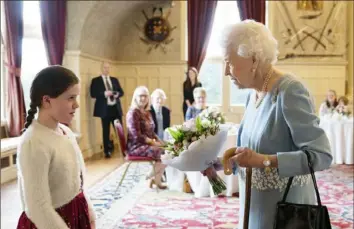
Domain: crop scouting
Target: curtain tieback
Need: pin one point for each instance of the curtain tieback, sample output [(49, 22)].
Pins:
[(13, 69)]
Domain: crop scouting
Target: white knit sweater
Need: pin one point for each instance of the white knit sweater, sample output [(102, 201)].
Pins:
[(49, 166)]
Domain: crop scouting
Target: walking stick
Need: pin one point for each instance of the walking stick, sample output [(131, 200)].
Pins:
[(228, 171), (246, 213)]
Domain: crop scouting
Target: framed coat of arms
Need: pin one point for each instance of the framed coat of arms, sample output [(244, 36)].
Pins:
[(157, 30)]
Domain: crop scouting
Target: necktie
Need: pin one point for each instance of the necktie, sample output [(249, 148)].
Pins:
[(108, 86)]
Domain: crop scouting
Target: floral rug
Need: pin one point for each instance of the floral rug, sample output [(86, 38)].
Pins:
[(136, 206), (111, 202)]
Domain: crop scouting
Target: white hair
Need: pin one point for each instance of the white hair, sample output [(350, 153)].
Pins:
[(134, 104), (158, 92), (250, 38), (199, 91)]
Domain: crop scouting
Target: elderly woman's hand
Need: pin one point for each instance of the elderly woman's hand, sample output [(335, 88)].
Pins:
[(245, 157)]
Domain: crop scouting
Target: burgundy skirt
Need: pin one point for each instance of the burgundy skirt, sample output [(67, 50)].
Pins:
[(75, 214)]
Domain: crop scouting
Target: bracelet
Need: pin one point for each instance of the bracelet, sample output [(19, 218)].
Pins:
[(266, 164)]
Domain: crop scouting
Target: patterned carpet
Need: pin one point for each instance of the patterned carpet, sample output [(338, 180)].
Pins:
[(109, 201), (141, 207)]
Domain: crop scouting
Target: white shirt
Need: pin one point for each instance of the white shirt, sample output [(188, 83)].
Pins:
[(49, 166), (109, 87), (324, 110), (159, 120)]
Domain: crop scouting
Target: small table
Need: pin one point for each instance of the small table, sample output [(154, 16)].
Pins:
[(340, 136)]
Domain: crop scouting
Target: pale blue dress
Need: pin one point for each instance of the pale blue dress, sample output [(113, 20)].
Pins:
[(284, 124)]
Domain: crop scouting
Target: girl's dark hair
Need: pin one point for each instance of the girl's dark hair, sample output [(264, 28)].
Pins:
[(335, 103), (51, 81), (187, 84), (344, 99)]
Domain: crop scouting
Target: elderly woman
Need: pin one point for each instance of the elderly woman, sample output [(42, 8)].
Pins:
[(279, 124), (330, 104), (142, 141), (160, 114), (199, 95)]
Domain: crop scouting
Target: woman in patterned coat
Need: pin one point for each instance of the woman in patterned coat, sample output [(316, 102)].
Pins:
[(142, 140)]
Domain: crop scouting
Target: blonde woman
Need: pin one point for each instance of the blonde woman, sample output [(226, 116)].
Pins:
[(142, 141), (199, 95), (160, 114)]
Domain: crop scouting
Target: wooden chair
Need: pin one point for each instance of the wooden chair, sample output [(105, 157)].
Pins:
[(130, 159)]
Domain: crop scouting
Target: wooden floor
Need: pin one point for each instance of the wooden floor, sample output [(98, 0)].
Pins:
[(97, 168)]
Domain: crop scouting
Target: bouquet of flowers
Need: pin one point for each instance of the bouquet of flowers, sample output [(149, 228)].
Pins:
[(194, 145)]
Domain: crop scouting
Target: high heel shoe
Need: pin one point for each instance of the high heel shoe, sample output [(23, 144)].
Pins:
[(160, 186)]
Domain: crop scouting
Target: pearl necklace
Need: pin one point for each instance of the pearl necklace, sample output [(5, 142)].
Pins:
[(264, 88)]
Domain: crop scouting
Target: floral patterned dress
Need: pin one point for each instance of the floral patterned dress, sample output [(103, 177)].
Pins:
[(140, 126)]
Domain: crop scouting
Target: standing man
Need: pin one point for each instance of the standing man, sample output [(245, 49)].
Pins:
[(107, 91)]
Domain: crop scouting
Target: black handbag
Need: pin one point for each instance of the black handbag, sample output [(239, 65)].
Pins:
[(302, 216)]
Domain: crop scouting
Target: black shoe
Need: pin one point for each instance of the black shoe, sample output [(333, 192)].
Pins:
[(110, 146), (108, 155)]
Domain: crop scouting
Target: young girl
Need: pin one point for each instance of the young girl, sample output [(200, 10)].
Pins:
[(342, 107), (330, 104), (51, 167)]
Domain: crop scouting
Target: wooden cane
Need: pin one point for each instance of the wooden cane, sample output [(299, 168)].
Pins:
[(228, 171), (246, 213)]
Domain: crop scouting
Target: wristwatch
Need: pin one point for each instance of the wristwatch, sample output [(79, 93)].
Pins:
[(266, 163)]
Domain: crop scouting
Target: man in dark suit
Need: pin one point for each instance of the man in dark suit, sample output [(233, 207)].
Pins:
[(107, 91)]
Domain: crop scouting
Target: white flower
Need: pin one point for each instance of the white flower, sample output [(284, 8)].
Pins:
[(186, 128), (189, 125), (194, 139), (185, 143), (176, 127), (214, 110), (206, 123), (194, 129)]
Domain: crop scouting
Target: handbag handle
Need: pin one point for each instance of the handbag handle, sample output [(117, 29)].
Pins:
[(313, 180)]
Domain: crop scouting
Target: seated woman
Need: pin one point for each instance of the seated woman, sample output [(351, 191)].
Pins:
[(199, 95), (160, 114), (330, 104), (342, 107), (142, 141)]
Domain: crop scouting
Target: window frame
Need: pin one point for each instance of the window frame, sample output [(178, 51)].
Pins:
[(32, 32), (225, 103), (226, 84)]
